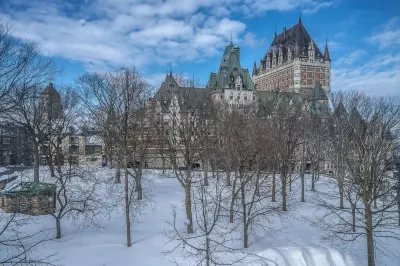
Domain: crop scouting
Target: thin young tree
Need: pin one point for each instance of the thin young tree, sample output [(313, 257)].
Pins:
[(185, 108)]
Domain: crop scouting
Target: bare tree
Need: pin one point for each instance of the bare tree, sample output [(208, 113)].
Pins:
[(18, 248), (77, 197), (100, 97), (185, 108), (23, 71), (288, 134), (366, 177), (213, 240)]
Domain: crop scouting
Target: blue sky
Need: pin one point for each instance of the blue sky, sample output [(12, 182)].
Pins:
[(96, 35)]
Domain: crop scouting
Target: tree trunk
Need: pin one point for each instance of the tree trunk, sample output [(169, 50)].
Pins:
[(370, 237), (58, 228), (398, 208), (139, 189), (313, 180), (127, 210), (110, 159), (228, 178), (233, 198), (188, 201), (244, 213), (302, 185), (284, 207), (341, 193), (273, 185), (118, 172), (59, 162), (205, 166), (36, 162), (208, 259), (353, 214), (51, 165)]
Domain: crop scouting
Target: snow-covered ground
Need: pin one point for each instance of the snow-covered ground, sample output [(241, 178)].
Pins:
[(291, 242)]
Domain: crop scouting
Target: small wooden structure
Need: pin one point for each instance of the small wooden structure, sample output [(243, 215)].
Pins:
[(33, 198)]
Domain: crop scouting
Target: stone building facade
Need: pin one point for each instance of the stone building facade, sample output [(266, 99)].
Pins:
[(232, 84), (15, 145), (293, 63)]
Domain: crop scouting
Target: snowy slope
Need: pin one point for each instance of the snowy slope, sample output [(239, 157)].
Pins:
[(293, 242)]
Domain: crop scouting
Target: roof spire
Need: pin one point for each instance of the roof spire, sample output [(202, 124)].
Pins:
[(255, 68), (326, 53), (300, 16), (231, 36), (193, 80), (275, 29), (170, 69)]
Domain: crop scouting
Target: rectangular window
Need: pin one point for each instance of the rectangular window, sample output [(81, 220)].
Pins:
[(321, 76), (305, 82)]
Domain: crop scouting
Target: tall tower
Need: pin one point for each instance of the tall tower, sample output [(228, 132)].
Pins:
[(293, 63), (51, 102)]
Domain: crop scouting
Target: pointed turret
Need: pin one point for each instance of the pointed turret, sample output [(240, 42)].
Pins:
[(318, 93), (255, 68), (340, 110), (326, 54)]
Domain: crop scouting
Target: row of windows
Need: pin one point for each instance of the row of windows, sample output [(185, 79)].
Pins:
[(309, 68), (238, 97)]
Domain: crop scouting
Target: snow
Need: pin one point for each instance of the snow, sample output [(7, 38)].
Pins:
[(292, 242)]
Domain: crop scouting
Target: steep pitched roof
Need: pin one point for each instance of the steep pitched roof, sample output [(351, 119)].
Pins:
[(318, 93), (230, 68), (297, 38), (327, 57), (340, 110), (188, 97)]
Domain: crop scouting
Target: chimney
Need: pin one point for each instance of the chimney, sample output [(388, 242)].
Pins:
[(284, 33)]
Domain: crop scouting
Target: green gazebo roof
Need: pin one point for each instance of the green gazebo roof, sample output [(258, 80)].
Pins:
[(30, 189)]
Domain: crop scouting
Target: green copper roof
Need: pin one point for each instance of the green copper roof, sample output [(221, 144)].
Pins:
[(30, 189), (229, 70)]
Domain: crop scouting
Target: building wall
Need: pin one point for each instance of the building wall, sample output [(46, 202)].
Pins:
[(297, 75)]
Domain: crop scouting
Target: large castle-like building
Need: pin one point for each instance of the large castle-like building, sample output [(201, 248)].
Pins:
[(293, 63)]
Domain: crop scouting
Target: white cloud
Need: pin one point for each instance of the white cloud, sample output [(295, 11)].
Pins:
[(308, 6), (351, 58), (388, 35), (379, 76), (113, 33), (317, 7), (117, 33), (250, 39)]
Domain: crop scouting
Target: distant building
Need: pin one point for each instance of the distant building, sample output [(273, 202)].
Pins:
[(51, 102), (293, 63), (83, 146), (232, 84), (15, 146)]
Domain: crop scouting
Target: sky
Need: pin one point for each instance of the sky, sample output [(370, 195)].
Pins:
[(189, 36)]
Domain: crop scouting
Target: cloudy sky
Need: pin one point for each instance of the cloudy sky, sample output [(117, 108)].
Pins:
[(190, 35)]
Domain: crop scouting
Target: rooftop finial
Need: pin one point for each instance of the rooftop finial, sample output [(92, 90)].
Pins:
[(170, 69), (231, 36), (300, 17), (275, 29)]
